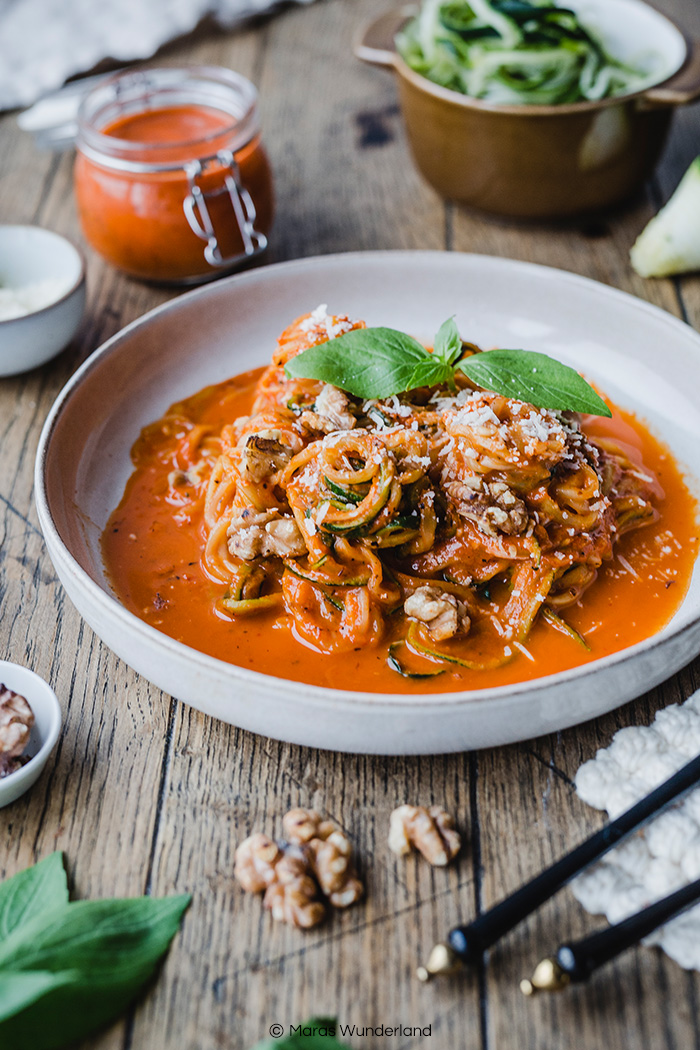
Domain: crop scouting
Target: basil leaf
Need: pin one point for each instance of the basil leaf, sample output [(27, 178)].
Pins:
[(110, 949), (95, 937), (448, 342), (431, 372), (367, 362), (318, 1033), (535, 378), (19, 990), (32, 892)]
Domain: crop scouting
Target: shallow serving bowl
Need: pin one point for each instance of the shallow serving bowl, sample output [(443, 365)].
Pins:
[(545, 161), (31, 254), (643, 358)]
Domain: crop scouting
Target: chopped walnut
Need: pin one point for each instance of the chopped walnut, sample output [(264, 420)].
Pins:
[(16, 721), (331, 861), (263, 534), (492, 505), (293, 896), (316, 858), (264, 454), (255, 861), (331, 412), (441, 612), (302, 825), (430, 831), (192, 476)]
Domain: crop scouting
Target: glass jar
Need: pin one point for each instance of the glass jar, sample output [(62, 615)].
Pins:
[(172, 182)]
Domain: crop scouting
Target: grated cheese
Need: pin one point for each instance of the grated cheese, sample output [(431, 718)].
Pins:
[(319, 318), (19, 302)]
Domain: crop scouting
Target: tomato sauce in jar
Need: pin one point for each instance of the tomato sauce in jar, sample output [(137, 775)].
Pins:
[(172, 180)]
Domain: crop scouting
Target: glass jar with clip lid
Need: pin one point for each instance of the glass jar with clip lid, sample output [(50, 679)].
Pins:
[(172, 181)]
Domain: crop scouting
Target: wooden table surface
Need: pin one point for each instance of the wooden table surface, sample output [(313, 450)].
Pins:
[(145, 795)]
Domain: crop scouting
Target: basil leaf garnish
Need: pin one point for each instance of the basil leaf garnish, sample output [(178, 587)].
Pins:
[(536, 378), (448, 343), (39, 889), (367, 362), (379, 362), (431, 372)]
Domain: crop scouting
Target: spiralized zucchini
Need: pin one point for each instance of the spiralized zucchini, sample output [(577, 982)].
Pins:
[(510, 52)]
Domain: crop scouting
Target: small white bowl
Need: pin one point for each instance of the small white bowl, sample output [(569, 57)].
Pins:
[(47, 725), (28, 255)]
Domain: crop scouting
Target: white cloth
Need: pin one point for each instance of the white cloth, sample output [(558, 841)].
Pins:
[(44, 42), (665, 855)]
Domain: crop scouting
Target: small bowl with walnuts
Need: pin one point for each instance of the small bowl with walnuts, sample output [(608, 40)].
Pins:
[(30, 721)]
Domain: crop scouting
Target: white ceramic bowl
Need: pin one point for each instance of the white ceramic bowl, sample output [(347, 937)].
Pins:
[(83, 464), (47, 725), (29, 255)]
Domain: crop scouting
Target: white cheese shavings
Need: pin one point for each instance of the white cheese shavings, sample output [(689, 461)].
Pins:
[(627, 567), (666, 854), (319, 318), (442, 401), (524, 651)]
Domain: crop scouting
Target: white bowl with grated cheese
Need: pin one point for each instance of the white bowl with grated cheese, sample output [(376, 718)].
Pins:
[(42, 296)]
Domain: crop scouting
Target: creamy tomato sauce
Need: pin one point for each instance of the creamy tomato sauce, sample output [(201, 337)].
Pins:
[(152, 553), (135, 219)]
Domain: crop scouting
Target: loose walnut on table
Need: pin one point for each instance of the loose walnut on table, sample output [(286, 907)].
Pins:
[(431, 831), (313, 861)]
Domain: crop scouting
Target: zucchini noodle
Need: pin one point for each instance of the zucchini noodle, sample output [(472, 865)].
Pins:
[(441, 524), (516, 52)]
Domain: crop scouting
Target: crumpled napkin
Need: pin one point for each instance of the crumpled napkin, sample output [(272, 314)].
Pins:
[(664, 855), (44, 42)]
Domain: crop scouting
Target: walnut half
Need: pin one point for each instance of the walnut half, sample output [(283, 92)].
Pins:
[(430, 831), (314, 860), (441, 612), (16, 721), (493, 506)]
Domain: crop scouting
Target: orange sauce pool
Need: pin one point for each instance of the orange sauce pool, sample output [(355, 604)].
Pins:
[(136, 220), (152, 548)]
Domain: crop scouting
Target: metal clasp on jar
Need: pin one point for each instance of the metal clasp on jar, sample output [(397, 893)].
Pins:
[(197, 212)]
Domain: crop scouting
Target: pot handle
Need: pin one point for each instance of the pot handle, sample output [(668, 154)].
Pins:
[(681, 89), (375, 43)]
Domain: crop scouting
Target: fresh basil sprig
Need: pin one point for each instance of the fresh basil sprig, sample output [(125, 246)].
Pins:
[(378, 362), (367, 362), (68, 969)]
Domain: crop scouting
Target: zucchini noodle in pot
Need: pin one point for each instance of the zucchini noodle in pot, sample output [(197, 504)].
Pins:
[(435, 527)]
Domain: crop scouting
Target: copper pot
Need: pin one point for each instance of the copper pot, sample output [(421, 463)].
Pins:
[(540, 161)]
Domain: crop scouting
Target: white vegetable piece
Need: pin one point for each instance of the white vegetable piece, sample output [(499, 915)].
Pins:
[(671, 242)]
